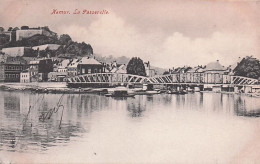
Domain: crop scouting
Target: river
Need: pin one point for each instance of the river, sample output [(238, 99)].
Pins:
[(91, 128)]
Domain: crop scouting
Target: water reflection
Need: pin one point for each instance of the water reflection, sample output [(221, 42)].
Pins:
[(22, 130), (137, 107), (245, 106)]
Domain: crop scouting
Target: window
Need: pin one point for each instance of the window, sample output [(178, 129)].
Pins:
[(83, 70), (89, 70), (17, 75)]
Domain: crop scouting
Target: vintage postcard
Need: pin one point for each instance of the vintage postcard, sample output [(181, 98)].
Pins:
[(113, 81)]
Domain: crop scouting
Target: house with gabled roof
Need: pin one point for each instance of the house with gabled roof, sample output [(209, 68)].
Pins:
[(89, 65)]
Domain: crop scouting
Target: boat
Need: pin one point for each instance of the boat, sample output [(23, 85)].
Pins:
[(181, 92), (145, 92), (172, 92), (119, 92)]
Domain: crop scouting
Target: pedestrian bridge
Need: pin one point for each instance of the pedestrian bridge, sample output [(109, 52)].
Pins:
[(182, 78)]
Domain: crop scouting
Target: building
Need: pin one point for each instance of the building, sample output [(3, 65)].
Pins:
[(213, 72), (21, 34), (62, 66), (121, 69), (57, 76), (25, 76), (11, 68), (89, 65), (39, 69), (17, 51), (46, 46), (72, 68), (215, 67), (148, 70), (114, 67), (232, 67), (8, 33)]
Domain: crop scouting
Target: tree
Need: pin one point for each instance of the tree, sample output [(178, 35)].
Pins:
[(64, 39), (136, 67), (248, 67), (15, 29), (2, 29), (24, 27)]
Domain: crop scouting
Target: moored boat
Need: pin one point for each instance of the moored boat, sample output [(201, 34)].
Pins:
[(119, 92), (181, 92)]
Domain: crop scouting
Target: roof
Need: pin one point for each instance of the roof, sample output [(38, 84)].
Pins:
[(215, 66), (25, 71), (193, 69), (64, 63), (74, 63), (14, 60), (113, 70), (9, 48), (233, 66), (92, 61), (45, 46), (35, 62)]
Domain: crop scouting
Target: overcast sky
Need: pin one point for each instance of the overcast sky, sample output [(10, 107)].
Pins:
[(167, 33)]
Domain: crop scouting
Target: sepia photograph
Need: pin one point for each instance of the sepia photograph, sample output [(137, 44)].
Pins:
[(130, 81)]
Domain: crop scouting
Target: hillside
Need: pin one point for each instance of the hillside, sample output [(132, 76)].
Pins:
[(68, 49)]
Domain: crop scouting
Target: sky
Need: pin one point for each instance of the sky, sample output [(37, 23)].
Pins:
[(166, 33)]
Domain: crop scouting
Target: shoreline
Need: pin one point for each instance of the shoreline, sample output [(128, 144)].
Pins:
[(61, 88)]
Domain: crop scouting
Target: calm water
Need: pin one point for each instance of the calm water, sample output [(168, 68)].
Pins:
[(191, 128)]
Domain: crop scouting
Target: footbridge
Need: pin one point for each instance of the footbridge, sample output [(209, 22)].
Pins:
[(182, 79)]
